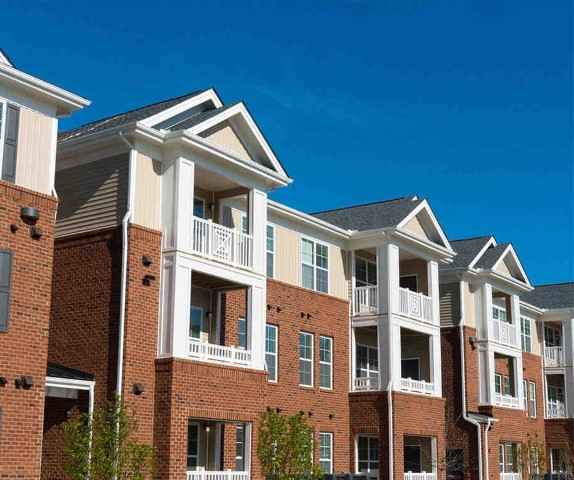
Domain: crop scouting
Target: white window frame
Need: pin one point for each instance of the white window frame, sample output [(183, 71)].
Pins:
[(556, 336), (406, 275), (202, 200), (329, 459), (311, 360), (191, 309), (4, 105), (368, 460), (275, 354), (244, 223), (420, 450), (525, 395), (330, 364), (369, 371), (369, 264), (198, 426), (499, 310), (418, 359), (314, 264), (272, 252), (523, 336), (500, 376), (241, 426), (503, 448), (532, 403), (239, 321)]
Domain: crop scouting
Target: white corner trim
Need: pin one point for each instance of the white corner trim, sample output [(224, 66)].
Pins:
[(208, 95), (425, 205), (242, 111)]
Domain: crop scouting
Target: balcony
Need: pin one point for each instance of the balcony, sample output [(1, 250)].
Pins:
[(211, 352), (510, 476), (417, 386), (555, 409), (554, 356), (366, 300), (419, 476), (507, 401), (504, 333), (366, 384), (223, 244), (217, 475), (415, 305)]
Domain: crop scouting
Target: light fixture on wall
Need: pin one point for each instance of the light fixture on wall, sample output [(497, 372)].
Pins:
[(138, 388), (25, 381), (30, 215)]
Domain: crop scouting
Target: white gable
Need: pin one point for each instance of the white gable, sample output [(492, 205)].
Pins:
[(422, 223), (509, 266), (224, 136)]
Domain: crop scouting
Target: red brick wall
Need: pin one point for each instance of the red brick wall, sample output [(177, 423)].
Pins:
[(560, 433), (24, 346)]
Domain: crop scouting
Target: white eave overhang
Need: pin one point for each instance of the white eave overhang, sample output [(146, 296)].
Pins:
[(65, 102), (501, 281)]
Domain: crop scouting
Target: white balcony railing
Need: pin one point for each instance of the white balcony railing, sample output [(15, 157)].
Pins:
[(219, 353), (366, 384), (420, 476), (553, 356), (366, 300), (504, 333), (508, 401), (221, 243), (417, 386), (217, 475), (415, 305), (509, 476), (555, 409)]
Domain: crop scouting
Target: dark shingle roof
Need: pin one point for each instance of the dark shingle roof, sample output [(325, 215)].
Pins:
[(125, 118), (59, 371), (559, 295), (466, 250), (200, 117), (491, 256), (372, 215)]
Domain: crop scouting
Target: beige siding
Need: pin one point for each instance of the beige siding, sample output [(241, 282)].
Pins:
[(503, 269), (449, 304), (536, 329), (36, 137), (147, 210), (415, 227), (287, 256), (224, 136), (469, 299), (337, 276), (92, 196)]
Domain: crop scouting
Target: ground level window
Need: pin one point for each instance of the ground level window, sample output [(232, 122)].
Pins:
[(367, 454), (412, 458), (508, 458), (326, 452), (192, 446), (240, 448)]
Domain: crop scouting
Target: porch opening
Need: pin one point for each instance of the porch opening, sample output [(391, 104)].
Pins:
[(416, 362), (419, 457)]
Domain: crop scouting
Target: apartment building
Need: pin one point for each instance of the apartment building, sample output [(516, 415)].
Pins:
[(29, 113)]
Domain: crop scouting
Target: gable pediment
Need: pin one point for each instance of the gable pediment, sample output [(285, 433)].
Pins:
[(224, 136), (422, 223), (509, 266)]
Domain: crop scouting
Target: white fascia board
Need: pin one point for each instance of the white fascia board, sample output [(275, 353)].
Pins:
[(208, 95), (425, 205), (283, 210), (240, 110), (504, 283), (510, 250), (75, 384), (66, 102), (4, 59), (491, 241), (531, 309), (445, 255), (558, 314)]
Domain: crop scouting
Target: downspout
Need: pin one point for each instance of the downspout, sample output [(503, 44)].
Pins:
[(390, 420), (124, 277), (463, 385), (490, 421)]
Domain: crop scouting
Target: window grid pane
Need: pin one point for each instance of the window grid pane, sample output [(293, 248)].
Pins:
[(305, 359), (271, 351), (326, 363)]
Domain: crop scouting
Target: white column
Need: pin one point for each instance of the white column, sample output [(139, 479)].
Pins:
[(353, 358), (485, 324), (486, 369), (435, 362), (183, 204), (388, 277), (515, 315), (433, 290), (258, 228), (518, 384), (353, 280), (181, 303), (256, 318)]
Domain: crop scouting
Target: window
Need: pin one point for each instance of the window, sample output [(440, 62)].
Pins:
[(192, 446), (498, 383), (534, 461), (326, 362), (326, 452), (9, 126), (526, 334), (365, 272), (412, 458), (244, 224), (367, 454), (314, 265), (242, 332), (507, 457), (239, 448), (199, 207), (455, 464), (410, 368), (409, 281), (552, 336), (270, 246), (506, 386), (557, 460), (367, 362), (531, 399), (271, 351), (5, 275), (195, 322), (305, 359), (499, 314), (525, 393)]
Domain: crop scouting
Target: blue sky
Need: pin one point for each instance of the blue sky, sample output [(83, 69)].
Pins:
[(468, 104)]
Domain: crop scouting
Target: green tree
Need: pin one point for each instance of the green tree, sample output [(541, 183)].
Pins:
[(103, 448), (285, 447)]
